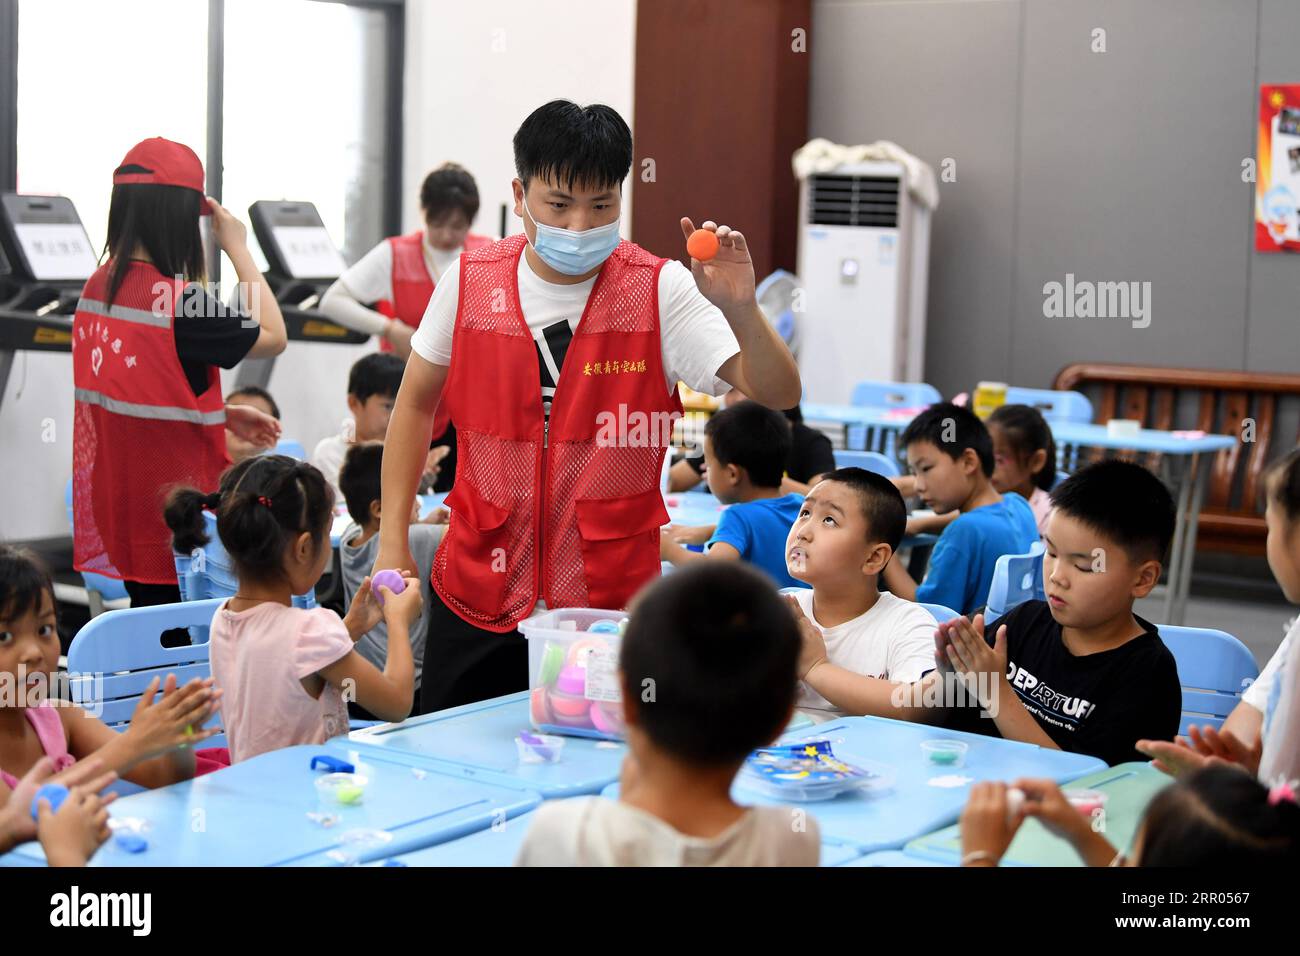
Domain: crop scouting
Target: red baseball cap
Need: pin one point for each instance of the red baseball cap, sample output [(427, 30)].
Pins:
[(164, 163)]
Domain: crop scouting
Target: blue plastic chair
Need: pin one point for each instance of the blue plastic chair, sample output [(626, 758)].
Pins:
[(1054, 405), (940, 612), (114, 657), (894, 394), (1213, 669), (870, 460), (209, 573), (1016, 578), (1060, 477), (875, 394), (99, 587), (294, 449)]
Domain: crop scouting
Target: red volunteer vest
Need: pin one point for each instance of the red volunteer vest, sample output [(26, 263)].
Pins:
[(412, 287), (568, 512), (138, 428)]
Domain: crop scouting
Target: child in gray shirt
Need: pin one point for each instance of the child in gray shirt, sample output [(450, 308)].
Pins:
[(359, 480)]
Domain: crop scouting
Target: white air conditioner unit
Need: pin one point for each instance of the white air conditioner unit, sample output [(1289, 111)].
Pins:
[(864, 249)]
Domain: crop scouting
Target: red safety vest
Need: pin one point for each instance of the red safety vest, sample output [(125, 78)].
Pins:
[(412, 288), (571, 511), (138, 427)]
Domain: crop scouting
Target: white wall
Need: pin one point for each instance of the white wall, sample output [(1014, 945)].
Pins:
[(475, 70), (35, 446)]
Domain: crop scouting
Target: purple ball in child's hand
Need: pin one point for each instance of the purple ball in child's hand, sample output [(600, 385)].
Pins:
[(389, 579)]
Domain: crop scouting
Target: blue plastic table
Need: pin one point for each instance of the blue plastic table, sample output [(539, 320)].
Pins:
[(890, 858), (498, 846), (495, 846), (888, 819), (478, 741), (1129, 787), (255, 813)]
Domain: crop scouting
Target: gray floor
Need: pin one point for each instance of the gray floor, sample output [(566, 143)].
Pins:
[(1259, 621)]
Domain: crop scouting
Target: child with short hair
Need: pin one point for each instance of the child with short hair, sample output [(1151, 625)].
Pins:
[(358, 547), (859, 643), (373, 382), (1024, 461), (745, 449), (283, 669), (237, 446), (154, 751), (1079, 671), (951, 454), (1217, 817), (721, 650)]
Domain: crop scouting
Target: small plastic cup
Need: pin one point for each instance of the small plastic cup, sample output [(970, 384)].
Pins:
[(341, 789), (539, 748), (945, 753), (1087, 802)]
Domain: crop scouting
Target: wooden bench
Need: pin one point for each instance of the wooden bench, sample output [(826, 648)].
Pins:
[(1209, 400)]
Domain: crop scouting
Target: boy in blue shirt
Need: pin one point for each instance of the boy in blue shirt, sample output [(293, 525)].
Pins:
[(951, 454), (745, 448)]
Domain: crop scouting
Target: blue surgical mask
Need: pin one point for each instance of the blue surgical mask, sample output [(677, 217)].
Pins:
[(573, 253)]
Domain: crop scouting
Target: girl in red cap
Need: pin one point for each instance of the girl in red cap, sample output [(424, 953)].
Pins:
[(147, 342)]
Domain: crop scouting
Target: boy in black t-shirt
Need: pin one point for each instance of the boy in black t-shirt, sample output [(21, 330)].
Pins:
[(1081, 671)]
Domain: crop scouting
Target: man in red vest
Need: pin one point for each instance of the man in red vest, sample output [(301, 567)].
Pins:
[(557, 355)]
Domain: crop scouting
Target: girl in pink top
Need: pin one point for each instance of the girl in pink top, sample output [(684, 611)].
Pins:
[(1024, 457), (284, 671), (154, 751)]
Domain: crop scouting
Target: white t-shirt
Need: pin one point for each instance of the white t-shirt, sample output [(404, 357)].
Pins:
[(328, 456), (1257, 693), (1280, 733), (695, 337), (370, 278), (892, 641), (594, 831)]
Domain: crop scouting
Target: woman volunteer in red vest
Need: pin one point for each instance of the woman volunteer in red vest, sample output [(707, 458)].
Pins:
[(146, 346), (398, 276), (534, 344)]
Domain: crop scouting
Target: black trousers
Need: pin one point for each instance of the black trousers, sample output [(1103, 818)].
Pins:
[(464, 664), (151, 595)]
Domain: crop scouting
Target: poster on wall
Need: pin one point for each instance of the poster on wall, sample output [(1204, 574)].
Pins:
[(1277, 182)]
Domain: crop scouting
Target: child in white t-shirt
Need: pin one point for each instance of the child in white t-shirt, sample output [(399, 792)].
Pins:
[(708, 672), (859, 643)]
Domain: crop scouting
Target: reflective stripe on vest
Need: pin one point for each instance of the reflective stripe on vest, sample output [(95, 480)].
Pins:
[(95, 307), (162, 413), (574, 519)]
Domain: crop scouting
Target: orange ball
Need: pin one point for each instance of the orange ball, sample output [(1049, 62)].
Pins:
[(702, 245)]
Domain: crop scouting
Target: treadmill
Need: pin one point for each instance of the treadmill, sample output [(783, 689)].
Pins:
[(302, 262), (45, 259)]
